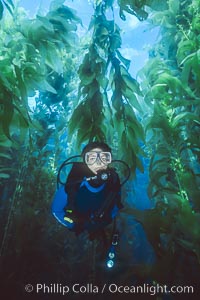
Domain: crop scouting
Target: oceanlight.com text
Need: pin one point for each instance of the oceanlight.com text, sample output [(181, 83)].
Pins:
[(111, 288)]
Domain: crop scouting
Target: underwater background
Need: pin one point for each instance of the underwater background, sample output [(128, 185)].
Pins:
[(71, 73)]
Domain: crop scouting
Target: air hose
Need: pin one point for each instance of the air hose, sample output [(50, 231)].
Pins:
[(68, 162)]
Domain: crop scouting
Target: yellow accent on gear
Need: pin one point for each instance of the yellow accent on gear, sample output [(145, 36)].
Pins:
[(68, 220)]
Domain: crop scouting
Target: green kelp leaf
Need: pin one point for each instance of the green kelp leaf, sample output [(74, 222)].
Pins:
[(185, 103), (156, 177), (42, 85), (187, 67), (134, 123), (96, 106), (187, 178), (128, 94), (104, 83), (169, 190), (183, 118), (195, 198), (81, 118), (118, 124), (198, 56), (46, 24), (109, 3), (102, 32), (188, 221), (188, 58), (4, 155), (9, 5), (157, 5), (61, 26), (83, 91), (124, 60), (4, 141), (174, 6), (35, 31), (75, 118), (23, 113), (129, 157), (116, 100), (30, 72), (172, 82), (115, 40), (160, 164), (165, 18), (154, 223), (158, 90), (160, 120), (85, 73), (124, 141), (134, 8), (7, 76), (21, 85), (131, 136), (162, 150), (7, 119), (93, 90), (1, 10), (171, 187), (68, 13), (53, 59), (24, 127), (189, 245), (4, 175), (153, 69), (108, 114), (99, 134), (15, 124), (131, 83), (10, 2), (196, 23), (82, 136), (55, 4), (92, 23), (186, 48)]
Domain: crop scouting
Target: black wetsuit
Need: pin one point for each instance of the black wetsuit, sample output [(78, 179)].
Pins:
[(93, 202)]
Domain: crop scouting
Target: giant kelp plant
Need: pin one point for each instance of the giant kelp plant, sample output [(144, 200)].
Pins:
[(105, 69), (96, 98), (172, 90)]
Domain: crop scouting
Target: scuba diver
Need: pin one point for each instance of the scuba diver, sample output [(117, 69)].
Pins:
[(90, 198)]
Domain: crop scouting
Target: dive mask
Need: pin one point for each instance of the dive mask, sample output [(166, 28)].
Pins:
[(92, 157)]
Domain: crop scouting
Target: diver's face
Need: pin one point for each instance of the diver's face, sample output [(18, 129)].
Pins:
[(97, 160)]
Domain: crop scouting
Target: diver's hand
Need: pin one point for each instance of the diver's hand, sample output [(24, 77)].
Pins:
[(77, 222), (70, 216)]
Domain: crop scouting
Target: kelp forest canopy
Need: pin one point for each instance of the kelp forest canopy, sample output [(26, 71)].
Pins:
[(83, 90)]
